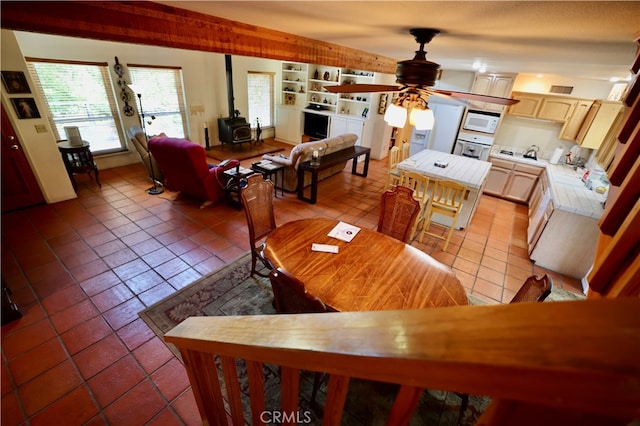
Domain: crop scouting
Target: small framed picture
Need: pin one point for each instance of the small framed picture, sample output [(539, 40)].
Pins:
[(382, 103), (25, 107), (289, 99), (15, 82)]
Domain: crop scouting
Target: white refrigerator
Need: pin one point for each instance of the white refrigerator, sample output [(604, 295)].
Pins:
[(443, 136)]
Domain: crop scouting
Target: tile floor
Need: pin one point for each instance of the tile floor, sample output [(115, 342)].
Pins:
[(82, 269)]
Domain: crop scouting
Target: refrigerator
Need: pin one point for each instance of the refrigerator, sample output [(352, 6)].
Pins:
[(447, 119)]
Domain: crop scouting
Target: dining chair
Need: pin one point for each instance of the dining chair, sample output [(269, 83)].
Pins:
[(534, 289), (394, 174), (446, 199), (406, 151), (420, 185), (257, 201), (290, 297), (398, 213)]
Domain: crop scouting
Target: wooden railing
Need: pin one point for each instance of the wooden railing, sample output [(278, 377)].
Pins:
[(581, 356)]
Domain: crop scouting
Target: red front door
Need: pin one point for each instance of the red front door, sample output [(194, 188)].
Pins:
[(19, 186)]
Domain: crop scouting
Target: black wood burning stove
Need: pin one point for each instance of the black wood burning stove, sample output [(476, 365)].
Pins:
[(233, 130)]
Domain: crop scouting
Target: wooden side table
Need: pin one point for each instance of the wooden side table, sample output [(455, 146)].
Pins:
[(268, 169), (78, 159)]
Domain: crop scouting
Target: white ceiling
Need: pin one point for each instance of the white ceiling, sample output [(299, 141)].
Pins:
[(572, 38)]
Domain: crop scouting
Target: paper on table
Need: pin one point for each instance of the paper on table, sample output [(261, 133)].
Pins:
[(343, 231)]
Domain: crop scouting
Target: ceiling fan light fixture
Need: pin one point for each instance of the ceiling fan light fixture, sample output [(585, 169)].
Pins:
[(395, 116), (421, 118)]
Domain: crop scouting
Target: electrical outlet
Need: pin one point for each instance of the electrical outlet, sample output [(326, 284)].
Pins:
[(40, 128)]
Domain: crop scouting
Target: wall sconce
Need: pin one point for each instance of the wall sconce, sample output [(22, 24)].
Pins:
[(420, 115)]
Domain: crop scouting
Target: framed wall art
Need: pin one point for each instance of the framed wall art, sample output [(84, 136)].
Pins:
[(289, 99), (25, 107), (15, 82), (382, 103)]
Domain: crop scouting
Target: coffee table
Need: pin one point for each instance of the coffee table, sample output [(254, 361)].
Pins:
[(269, 169)]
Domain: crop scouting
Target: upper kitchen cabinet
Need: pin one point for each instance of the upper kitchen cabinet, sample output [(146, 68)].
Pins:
[(573, 125), (499, 85), (600, 123), (555, 108), (528, 105)]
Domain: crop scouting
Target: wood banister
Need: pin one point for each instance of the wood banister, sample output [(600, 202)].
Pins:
[(582, 355)]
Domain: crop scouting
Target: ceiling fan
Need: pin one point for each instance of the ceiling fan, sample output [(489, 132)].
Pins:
[(416, 77)]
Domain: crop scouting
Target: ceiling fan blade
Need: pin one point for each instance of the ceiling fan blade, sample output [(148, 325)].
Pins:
[(361, 88), (477, 97)]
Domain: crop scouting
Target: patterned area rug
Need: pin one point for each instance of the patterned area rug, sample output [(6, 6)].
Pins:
[(232, 291)]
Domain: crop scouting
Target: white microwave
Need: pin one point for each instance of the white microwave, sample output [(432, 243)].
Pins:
[(481, 121)]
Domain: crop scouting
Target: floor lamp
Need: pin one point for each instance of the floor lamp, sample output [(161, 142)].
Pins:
[(155, 189)]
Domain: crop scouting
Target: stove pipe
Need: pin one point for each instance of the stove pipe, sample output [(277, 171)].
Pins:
[(230, 97)]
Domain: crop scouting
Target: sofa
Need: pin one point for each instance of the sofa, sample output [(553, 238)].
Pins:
[(302, 152), (136, 136), (184, 167)]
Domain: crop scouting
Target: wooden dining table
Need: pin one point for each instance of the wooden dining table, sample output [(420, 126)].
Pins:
[(371, 272)]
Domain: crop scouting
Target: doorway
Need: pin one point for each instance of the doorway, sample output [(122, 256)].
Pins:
[(20, 188)]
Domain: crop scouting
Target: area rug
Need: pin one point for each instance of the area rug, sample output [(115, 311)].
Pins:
[(242, 151), (232, 291)]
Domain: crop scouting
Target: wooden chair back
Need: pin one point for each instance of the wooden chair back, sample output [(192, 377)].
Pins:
[(446, 199), (534, 289), (394, 174), (290, 296), (257, 201), (406, 150), (398, 213)]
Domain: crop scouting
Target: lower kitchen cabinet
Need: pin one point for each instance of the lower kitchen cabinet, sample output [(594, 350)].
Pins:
[(511, 181)]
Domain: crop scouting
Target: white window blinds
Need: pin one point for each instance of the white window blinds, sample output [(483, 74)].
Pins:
[(162, 99), (79, 94), (260, 92)]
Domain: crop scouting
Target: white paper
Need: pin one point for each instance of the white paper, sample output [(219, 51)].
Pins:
[(327, 248), (344, 231)]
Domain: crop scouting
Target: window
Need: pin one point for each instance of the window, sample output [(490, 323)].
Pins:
[(260, 91), (79, 94), (162, 99)]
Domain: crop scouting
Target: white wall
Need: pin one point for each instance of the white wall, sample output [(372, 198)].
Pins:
[(39, 148), (582, 88)]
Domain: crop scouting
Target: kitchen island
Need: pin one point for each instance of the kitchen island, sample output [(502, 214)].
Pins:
[(466, 171)]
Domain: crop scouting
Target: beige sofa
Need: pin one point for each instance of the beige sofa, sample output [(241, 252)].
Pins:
[(136, 136), (303, 152)]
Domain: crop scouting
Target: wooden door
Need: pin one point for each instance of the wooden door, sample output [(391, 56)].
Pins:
[(19, 186)]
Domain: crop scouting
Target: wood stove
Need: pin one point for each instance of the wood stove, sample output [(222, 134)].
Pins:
[(233, 130)]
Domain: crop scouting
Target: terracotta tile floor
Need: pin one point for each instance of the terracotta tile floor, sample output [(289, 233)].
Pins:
[(81, 270)]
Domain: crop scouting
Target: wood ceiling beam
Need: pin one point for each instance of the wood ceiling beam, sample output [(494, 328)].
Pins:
[(161, 25)]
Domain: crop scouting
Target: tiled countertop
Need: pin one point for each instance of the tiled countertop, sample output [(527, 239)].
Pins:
[(467, 171), (568, 192)]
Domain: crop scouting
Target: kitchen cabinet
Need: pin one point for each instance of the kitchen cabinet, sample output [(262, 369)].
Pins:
[(340, 125), (498, 177), (492, 85), (556, 108), (528, 105), (289, 124), (602, 118), (511, 181), (573, 125)]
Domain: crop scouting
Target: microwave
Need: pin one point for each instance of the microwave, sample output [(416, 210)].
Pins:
[(481, 121)]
